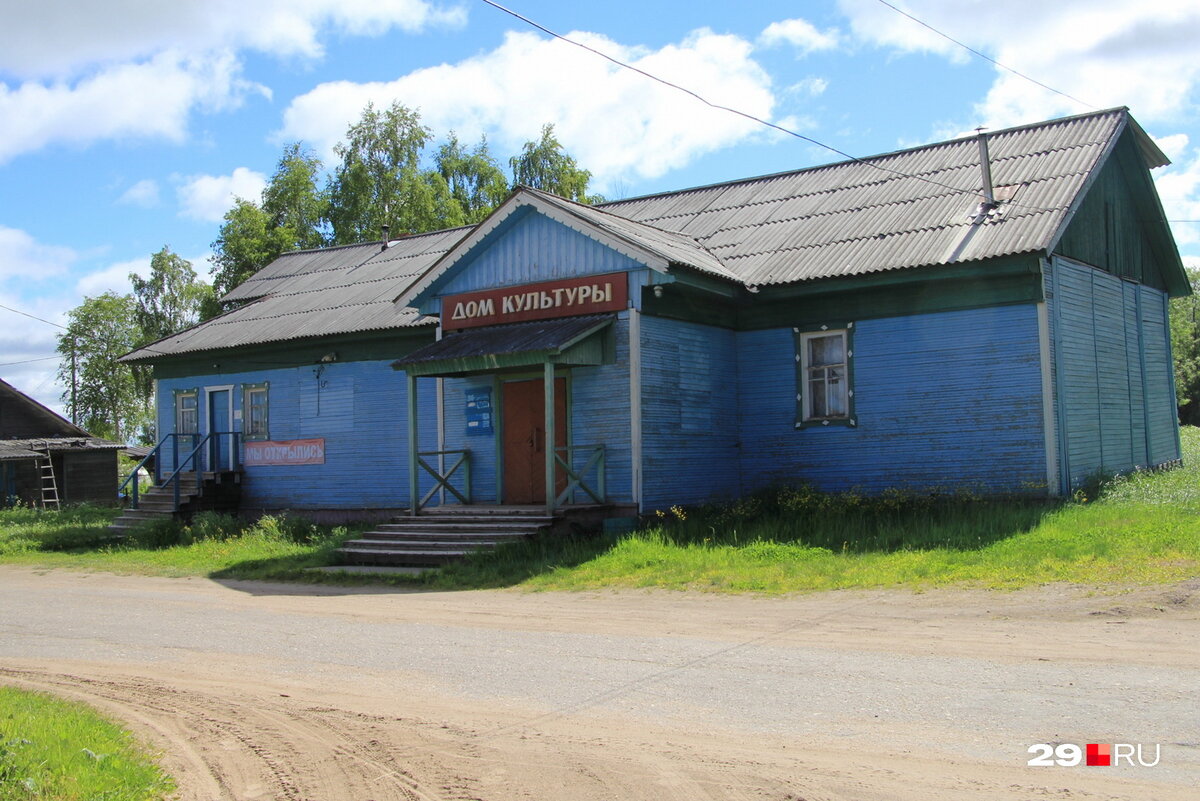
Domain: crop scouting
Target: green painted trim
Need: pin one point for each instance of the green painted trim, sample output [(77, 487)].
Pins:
[(584, 351), (363, 347), (851, 418), (194, 393), (1013, 282)]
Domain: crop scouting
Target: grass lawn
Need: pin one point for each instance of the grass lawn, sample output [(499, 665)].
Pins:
[(1143, 528), (52, 750)]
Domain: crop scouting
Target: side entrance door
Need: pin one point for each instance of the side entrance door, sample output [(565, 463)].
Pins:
[(219, 422), (524, 421)]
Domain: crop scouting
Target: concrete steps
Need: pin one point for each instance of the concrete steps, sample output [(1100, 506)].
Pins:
[(443, 535)]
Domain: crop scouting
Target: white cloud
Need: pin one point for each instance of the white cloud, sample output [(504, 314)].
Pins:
[(1179, 188), (801, 34), (809, 86), (23, 259), (510, 92), (114, 278), (144, 193), (1103, 52), (86, 34), (150, 99), (208, 197)]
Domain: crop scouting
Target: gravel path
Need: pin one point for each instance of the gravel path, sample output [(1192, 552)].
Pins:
[(276, 691)]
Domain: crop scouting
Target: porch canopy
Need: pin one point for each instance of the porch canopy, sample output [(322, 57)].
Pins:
[(574, 341), (568, 340)]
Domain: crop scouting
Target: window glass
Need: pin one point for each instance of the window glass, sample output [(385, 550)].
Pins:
[(255, 412), (187, 412), (824, 377)]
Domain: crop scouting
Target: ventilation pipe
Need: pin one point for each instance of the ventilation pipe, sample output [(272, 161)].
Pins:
[(386, 231), (985, 163)]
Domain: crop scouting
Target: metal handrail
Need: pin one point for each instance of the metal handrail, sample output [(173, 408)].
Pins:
[(443, 481), (156, 451), (178, 467), (575, 481)]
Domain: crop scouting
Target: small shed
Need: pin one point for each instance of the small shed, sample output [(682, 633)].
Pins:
[(44, 458)]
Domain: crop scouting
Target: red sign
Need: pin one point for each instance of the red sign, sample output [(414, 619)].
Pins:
[(568, 297), (292, 451)]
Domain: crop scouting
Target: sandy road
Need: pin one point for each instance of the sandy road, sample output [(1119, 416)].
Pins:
[(256, 691)]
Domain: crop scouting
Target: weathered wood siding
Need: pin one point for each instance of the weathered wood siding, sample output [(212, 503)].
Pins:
[(359, 408), (943, 401), (1113, 379), (598, 404), (88, 476), (1109, 230), (689, 408), (534, 248)]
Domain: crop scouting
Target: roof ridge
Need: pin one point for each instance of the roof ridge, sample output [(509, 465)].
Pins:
[(863, 159)]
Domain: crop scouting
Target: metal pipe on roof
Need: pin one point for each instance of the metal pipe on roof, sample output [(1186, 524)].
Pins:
[(985, 163)]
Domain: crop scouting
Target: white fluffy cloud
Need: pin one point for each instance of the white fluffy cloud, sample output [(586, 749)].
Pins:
[(510, 92), (208, 197), (113, 278), (1179, 188), (86, 34), (800, 34), (144, 193), (131, 68), (1103, 52), (153, 98), (23, 259)]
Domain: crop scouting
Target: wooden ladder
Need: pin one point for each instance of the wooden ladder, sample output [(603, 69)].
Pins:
[(49, 483)]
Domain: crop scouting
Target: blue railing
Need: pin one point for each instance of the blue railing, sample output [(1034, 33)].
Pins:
[(202, 454)]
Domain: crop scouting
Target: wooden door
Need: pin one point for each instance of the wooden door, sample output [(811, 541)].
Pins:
[(524, 420)]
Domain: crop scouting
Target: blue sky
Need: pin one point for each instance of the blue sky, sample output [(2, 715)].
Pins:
[(129, 125)]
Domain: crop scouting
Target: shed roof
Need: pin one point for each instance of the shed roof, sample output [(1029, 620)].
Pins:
[(41, 418), (910, 208)]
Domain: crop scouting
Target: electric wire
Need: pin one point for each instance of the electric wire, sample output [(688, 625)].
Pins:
[(748, 116), (988, 58)]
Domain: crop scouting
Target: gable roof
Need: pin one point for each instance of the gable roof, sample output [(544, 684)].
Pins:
[(38, 420), (911, 208)]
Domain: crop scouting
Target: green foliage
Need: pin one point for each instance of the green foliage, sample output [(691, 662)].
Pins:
[(474, 177), (380, 181), (52, 750), (106, 399), (25, 529), (544, 165), (247, 242), (1185, 348), (292, 200)]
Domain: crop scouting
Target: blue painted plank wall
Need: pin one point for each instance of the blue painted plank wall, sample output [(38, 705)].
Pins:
[(535, 248), (943, 401), (357, 407), (599, 407), (1113, 375), (689, 409)]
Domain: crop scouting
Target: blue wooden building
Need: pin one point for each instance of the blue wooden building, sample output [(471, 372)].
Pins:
[(984, 313)]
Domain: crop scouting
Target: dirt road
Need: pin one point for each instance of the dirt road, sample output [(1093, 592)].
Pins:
[(257, 691)]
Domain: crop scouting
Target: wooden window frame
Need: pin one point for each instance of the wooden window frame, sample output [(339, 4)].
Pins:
[(804, 416), (194, 394), (248, 391)]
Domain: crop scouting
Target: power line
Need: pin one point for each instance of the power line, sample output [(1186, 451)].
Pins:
[(30, 361), (33, 317), (746, 115), (984, 56)]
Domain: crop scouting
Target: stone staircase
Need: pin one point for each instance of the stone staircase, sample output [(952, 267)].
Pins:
[(221, 493), (444, 534)]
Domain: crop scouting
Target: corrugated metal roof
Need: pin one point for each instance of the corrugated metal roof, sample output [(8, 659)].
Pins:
[(536, 336), (899, 210)]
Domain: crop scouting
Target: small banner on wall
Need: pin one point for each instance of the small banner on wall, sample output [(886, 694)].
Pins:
[(292, 451)]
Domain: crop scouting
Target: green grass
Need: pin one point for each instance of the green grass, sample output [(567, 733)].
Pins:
[(52, 750), (1143, 528)]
